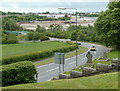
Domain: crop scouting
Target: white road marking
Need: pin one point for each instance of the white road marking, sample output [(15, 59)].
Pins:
[(52, 69), (72, 63), (83, 58), (75, 61), (41, 66), (45, 65), (46, 75)]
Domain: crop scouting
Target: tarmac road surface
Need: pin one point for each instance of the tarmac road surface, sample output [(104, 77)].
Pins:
[(48, 71)]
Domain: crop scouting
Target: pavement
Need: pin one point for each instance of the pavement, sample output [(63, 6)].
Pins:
[(48, 71)]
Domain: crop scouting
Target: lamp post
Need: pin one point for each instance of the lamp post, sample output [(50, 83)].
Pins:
[(76, 27)]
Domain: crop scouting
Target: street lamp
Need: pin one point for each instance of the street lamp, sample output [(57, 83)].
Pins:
[(76, 26)]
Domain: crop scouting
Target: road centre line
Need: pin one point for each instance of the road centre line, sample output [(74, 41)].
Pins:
[(72, 63), (45, 65), (75, 61), (52, 69), (46, 75)]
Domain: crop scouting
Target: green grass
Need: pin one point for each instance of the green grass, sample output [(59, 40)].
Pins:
[(47, 61), (102, 62), (68, 55), (102, 81), (24, 48), (67, 73), (0, 52), (113, 54), (94, 65), (79, 68)]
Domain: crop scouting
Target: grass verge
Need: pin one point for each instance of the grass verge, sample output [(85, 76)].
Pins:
[(114, 54), (110, 81), (67, 55), (111, 55)]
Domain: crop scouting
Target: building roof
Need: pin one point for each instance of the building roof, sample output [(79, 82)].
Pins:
[(16, 32)]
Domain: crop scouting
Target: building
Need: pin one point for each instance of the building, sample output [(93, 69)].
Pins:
[(16, 32), (54, 15)]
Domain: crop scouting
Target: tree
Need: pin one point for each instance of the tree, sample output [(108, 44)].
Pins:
[(55, 27), (36, 36), (29, 36), (10, 24), (74, 36), (40, 29), (108, 25), (9, 39), (43, 37)]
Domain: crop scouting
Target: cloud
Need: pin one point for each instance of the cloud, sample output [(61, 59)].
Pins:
[(49, 5), (55, 1)]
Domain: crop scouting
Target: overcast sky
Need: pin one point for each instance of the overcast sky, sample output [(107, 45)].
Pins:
[(50, 5)]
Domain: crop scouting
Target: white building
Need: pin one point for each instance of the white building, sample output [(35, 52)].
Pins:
[(54, 15)]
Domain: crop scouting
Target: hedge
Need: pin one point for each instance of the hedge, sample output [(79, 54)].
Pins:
[(18, 73), (37, 55), (9, 39)]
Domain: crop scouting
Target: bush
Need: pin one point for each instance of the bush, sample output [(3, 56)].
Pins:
[(9, 39), (18, 73), (70, 42), (29, 36), (43, 37), (37, 55), (36, 36)]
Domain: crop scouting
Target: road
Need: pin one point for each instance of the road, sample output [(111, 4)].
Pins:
[(48, 71)]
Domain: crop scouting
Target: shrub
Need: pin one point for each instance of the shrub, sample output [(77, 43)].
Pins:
[(36, 36), (70, 42), (9, 39), (18, 73), (40, 29), (29, 36), (43, 37), (37, 55)]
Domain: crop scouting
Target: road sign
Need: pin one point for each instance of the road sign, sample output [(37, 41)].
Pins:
[(59, 58)]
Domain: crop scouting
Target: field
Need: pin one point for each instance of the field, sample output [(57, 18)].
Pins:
[(104, 81), (24, 48)]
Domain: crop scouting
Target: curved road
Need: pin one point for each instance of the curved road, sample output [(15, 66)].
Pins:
[(48, 71)]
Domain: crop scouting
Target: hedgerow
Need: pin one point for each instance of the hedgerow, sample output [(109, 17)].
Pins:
[(37, 55), (18, 73)]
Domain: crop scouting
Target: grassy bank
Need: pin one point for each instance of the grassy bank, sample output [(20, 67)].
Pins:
[(111, 55), (102, 81), (114, 54), (24, 48), (68, 55)]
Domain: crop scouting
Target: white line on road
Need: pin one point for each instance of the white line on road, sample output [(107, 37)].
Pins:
[(52, 69), (83, 58), (45, 65), (41, 66), (46, 75), (75, 61), (72, 63)]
